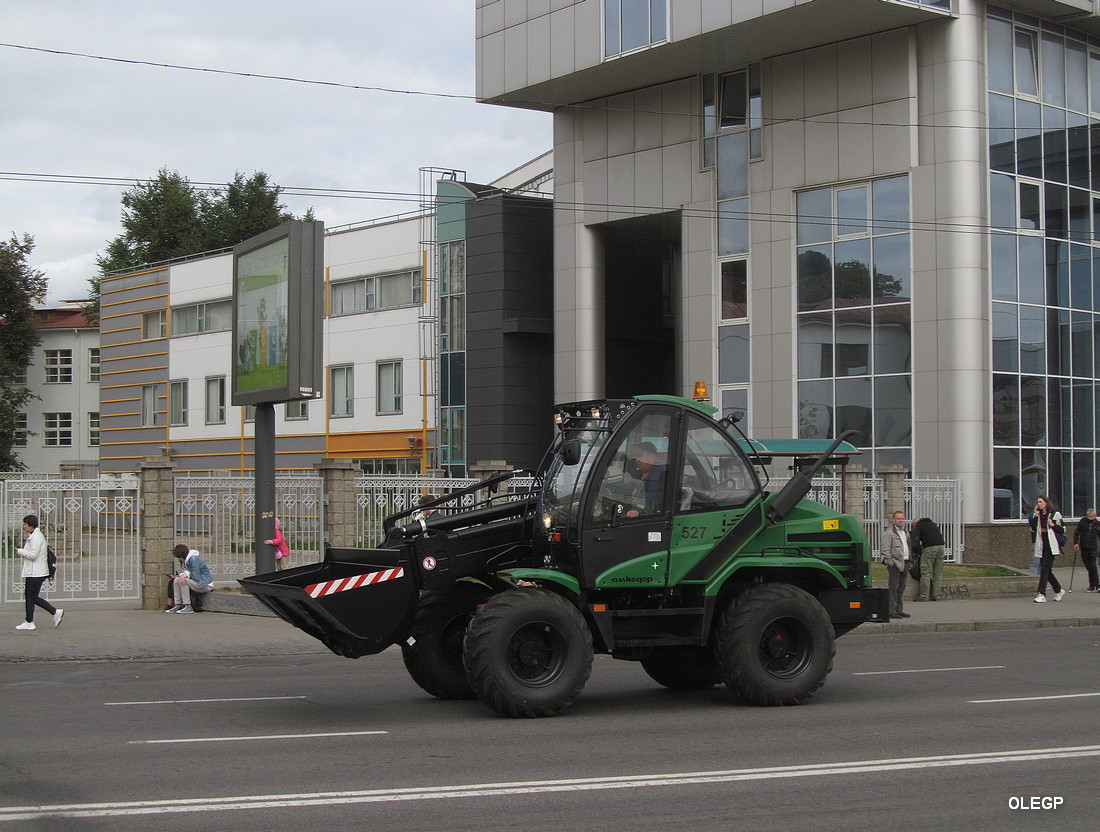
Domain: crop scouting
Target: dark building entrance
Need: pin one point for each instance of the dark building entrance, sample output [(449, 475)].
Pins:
[(642, 289)]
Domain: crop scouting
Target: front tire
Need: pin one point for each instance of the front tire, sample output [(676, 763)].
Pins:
[(683, 668), (434, 656), (775, 645), (528, 653)]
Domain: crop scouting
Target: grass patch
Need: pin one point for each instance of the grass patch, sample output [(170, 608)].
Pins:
[(951, 570)]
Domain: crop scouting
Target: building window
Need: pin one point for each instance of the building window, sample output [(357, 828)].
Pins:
[(93, 364), (389, 387), (390, 466), (733, 102), (342, 391), (93, 429), (854, 321), (296, 411), (177, 402), (215, 400), (735, 289), (59, 366), (19, 377), (368, 294), (1044, 96), (629, 25), (22, 430), (202, 317), (150, 413), (58, 431), (249, 413), (154, 325)]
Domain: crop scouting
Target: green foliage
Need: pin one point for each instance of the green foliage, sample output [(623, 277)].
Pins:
[(20, 288), (168, 217)]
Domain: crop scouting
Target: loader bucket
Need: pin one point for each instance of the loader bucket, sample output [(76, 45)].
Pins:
[(357, 602)]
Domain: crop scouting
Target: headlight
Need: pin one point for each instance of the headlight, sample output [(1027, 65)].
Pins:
[(547, 522)]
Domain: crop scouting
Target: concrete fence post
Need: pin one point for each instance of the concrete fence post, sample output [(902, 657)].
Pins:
[(852, 477), (338, 485), (158, 529), (893, 481)]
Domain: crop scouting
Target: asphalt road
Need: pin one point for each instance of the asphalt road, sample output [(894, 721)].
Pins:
[(945, 731)]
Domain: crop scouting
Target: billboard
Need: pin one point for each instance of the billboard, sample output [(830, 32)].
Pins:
[(278, 309)]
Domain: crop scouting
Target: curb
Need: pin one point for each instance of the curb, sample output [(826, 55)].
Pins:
[(971, 626)]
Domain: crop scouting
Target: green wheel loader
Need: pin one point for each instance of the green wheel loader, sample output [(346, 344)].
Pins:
[(647, 535)]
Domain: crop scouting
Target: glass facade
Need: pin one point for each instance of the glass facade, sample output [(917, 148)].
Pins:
[(1044, 181), (854, 325), (452, 357)]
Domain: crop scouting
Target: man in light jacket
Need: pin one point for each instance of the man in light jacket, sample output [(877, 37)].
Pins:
[(897, 554), (36, 569)]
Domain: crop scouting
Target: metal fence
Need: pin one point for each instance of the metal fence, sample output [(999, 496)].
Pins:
[(378, 497), (216, 516), (94, 526)]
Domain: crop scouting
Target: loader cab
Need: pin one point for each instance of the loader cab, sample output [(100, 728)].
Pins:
[(656, 482)]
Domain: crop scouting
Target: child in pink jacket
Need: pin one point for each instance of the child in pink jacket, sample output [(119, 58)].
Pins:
[(281, 546)]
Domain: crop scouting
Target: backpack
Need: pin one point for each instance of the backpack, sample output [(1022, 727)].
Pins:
[(51, 561)]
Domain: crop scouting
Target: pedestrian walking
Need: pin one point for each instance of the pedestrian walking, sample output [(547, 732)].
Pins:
[(1048, 536), (929, 537), (1086, 540), (36, 569)]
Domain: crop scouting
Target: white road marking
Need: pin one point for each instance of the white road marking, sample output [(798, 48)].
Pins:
[(929, 670), (259, 737), (1031, 698), (199, 701), (211, 803)]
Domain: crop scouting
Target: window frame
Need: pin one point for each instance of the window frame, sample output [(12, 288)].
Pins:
[(155, 319), (220, 411), (178, 401), (95, 364), (58, 366), (93, 428), (614, 7), (347, 387), (150, 412), (58, 434), (395, 396)]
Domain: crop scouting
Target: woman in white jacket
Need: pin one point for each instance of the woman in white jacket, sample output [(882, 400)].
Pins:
[(1046, 525), (36, 570)]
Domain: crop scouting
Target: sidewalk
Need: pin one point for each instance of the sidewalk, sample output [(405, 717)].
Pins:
[(106, 631)]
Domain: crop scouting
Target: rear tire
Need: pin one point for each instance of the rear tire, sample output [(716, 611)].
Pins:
[(434, 658), (528, 653), (775, 645), (683, 668)]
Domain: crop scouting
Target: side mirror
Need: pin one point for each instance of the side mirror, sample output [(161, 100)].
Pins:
[(571, 452)]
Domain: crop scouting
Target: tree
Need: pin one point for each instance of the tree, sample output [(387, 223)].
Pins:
[(20, 288), (168, 217)]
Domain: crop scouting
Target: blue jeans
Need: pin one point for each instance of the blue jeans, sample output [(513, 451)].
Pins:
[(31, 588)]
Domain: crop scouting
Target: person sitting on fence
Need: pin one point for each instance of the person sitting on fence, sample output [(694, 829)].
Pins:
[(192, 576), (282, 548)]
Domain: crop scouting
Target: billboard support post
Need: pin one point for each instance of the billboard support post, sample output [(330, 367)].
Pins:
[(265, 487)]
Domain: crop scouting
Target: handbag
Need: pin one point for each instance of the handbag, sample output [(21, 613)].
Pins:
[(914, 567)]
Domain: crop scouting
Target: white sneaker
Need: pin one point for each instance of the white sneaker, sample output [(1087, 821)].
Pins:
[(1059, 595), (57, 616), (26, 625), (1040, 599)]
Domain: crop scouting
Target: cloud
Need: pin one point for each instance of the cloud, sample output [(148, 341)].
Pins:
[(70, 115)]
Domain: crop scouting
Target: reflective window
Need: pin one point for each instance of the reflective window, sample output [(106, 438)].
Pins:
[(715, 475), (734, 289)]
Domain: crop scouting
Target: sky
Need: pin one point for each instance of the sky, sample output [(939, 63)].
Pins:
[(64, 116)]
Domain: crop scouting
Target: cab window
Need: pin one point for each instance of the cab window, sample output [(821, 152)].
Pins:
[(632, 482), (715, 473)]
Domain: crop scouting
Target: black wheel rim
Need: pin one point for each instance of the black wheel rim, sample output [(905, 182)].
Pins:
[(786, 648), (536, 654)]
